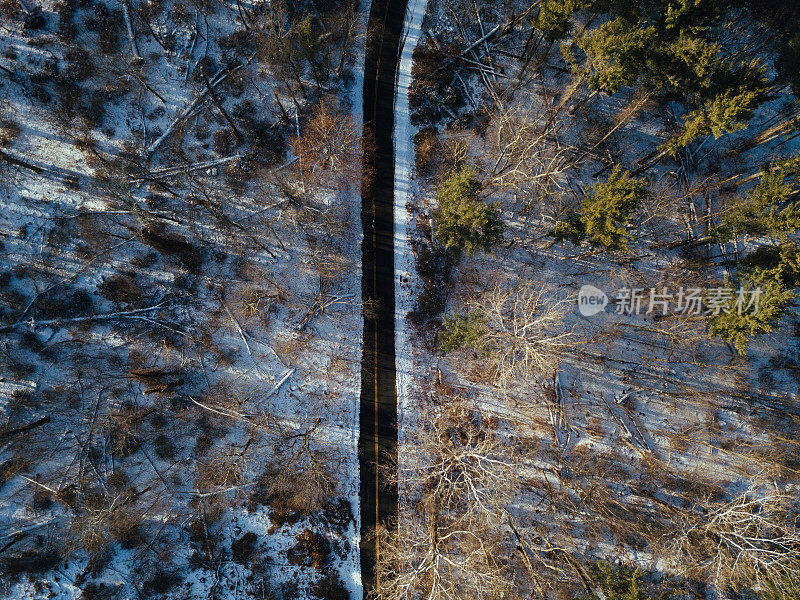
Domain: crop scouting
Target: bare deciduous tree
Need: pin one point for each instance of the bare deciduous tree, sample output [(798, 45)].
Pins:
[(329, 149), (750, 541), (524, 156), (450, 538), (525, 332)]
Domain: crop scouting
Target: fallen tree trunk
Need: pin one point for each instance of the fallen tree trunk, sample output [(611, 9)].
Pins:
[(20, 163), (18, 430), (187, 112)]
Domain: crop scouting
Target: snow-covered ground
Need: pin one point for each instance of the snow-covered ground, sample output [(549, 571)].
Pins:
[(404, 190), (249, 361), (642, 413)]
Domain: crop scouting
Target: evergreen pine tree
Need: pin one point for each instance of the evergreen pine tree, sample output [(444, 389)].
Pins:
[(669, 47), (728, 111), (606, 211), (462, 220), (788, 64), (687, 65), (617, 51), (663, 45), (769, 208), (781, 262), (461, 332), (738, 327), (555, 17)]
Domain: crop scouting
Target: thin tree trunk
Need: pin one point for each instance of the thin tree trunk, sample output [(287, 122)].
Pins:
[(18, 430), (221, 108), (20, 163), (129, 28)]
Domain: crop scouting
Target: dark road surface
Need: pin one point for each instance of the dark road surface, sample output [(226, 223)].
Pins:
[(377, 443)]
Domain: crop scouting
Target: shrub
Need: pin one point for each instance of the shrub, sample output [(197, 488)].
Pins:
[(433, 74), (80, 64), (161, 582), (463, 221), (9, 9), (569, 228), (34, 19), (292, 495), (427, 149), (618, 582), (237, 41), (312, 486), (121, 288), (145, 260), (311, 550), (107, 24), (42, 499), (330, 587), (206, 67), (30, 340), (219, 472), (203, 444), (30, 561), (243, 548), (68, 496), (269, 138), (788, 63), (66, 29), (202, 529), (329, 148), (280, 514), (89, 530), (125, 527), (174, 245), (165, 448), (338, 512), (93, 591), (9, 131), (201, 132), (225, 142), (40, 94), (433, 265), (288, 590), (117, 479), (429, 304), (123, 438), (63, 303)]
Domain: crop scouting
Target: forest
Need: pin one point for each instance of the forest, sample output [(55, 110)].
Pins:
[(645, 149), (182, 314), (179, 298)]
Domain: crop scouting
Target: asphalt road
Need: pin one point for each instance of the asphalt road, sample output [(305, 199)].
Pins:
[(377, 445)]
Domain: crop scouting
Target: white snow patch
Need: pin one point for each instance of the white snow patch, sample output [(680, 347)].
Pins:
[(403, 193)]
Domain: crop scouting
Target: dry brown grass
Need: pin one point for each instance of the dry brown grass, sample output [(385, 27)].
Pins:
[(595, 428), (222, 468), (427, 149), (292, 348), (9, 129)]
